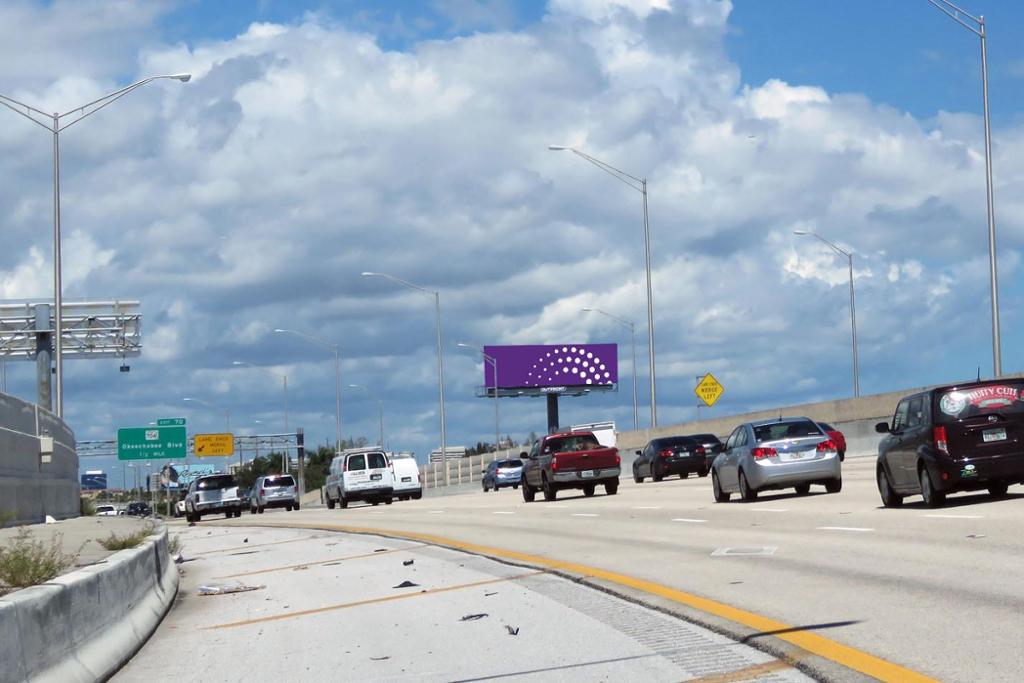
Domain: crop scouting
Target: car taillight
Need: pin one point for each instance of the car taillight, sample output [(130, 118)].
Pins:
[(759, 452), (618, 460), (554, 464), (939, 435), (826, 446), (665, 453), (262, 492)]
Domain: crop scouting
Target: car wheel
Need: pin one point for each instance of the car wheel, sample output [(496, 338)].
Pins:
[(287, 508), (932, 498), (611, 488), (998, 489), (890, 498), (550, 492), (330, 502), (343, 501), (229, 514), (388, 501), (375, 503), (703, 473), (746, 492), (842, 456), (238, 513), (528, 492), (636, 475), (295, 507), (716, 486), (802, 489), (485, 486), (260, 509), (252, 510), (834, 485), (515, 486), (588, 490), (684, 475), (656, 475), (417, 496)]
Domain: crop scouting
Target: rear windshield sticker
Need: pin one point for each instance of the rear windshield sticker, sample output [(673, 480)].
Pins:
[(982, 398)]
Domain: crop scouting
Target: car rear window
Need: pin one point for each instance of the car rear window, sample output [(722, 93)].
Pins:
[(376, 461), (1006, 397), (510, 463), (786, 429), (676, 442), (284, 480), (827, 427), (706, 438), (567, 444), (212, 483)]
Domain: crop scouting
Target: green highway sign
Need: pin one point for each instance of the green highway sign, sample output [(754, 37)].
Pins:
[(171, 422), (151, 443)]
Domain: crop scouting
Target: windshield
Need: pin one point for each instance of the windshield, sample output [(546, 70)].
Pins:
[(1004, 397), (786, 429), (211, 483)]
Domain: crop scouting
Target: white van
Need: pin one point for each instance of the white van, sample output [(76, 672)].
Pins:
[(362, 474), (408, 482)]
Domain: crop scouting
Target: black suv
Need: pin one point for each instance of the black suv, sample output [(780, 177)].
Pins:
[(964, 437), (138, 509)]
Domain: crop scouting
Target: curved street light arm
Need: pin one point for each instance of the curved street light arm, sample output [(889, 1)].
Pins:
[(14, 105), (620, 175), (309, 337), (622, 321), (87, 110), (954, 12), (401, 282)]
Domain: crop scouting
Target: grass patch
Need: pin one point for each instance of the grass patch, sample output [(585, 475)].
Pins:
[(116, 542), (86, 506), (175, 546), (6, 516), (26, 562)]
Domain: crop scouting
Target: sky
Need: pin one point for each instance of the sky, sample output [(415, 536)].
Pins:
[(318, 140)]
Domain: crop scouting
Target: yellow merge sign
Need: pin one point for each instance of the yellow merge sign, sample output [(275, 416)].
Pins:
[(709, 390), (210, 445)]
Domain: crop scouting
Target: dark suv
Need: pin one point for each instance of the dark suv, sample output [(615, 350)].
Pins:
[(963, 437)]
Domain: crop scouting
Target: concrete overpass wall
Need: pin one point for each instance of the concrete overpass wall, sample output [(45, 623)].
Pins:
[(29, 488)]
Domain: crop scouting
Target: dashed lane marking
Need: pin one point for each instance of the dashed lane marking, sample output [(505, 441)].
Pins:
[(692, 521), (502, 512), (770, 509), (254, 545), (584, 514), (955, 516), (844, 528), (648, 507)]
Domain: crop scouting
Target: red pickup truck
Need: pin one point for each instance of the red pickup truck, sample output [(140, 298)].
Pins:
[(573, 460)]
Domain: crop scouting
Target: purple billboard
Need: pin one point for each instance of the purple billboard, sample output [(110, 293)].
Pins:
[(536, 366)]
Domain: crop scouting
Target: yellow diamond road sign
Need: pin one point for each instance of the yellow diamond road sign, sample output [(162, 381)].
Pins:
[(709, 390), (210, 445)]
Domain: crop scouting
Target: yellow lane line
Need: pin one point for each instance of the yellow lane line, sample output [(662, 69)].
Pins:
[(256, 545), (826, 648), (371, 601), (319, 562)]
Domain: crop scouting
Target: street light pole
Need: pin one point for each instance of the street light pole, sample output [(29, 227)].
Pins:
[(640, 185), (53, 123), (494, 364), (958, 15), (440, 360), (853, 304), (337, 378), (632, 334)]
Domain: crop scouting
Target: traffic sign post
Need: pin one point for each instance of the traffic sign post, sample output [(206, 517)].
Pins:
[(151, 443), (709, 390), (213, 445)]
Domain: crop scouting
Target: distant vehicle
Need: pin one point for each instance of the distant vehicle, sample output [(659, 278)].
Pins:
[(503, 473), (775, 454), (406, 474), (179, 508), (572, 460), (138, 509), (106, 511), (712, 446), (836, 436), (682, 455), (962, 437), (212, 494), (603, 431), (360, 475), (274, 491)]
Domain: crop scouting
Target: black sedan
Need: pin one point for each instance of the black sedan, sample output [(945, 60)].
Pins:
[(712, 445), (682, 455)]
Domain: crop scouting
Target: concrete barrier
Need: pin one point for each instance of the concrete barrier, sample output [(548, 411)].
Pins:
[(85, 625)]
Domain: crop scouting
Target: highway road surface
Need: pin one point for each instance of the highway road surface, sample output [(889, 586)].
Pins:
[(884, 592), (328, 606)]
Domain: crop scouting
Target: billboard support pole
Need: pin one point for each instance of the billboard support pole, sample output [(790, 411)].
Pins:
[(552, 413)]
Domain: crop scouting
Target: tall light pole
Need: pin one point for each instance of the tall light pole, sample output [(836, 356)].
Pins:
[(284, 380), (640, 185), (853, 304), (380, 411), (226, 411), (440, 360), (337, 379), (978, 29), (56, 124), (494, 364), (632, 334)]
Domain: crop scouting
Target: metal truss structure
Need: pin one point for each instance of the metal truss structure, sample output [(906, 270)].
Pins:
[(91, 329)]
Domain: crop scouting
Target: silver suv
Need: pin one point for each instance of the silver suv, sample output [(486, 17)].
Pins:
[(274, 491)]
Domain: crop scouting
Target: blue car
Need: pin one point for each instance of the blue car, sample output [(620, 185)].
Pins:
[(503, 473)]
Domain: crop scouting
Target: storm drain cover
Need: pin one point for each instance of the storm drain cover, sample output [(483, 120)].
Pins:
[(745, 551)]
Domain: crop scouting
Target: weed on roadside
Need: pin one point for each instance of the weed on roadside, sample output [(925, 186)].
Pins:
[(175, 546), (86, 507), (26, 562), (115, 542)]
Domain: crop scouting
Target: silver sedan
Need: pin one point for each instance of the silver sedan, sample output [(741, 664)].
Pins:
[(776, 454)]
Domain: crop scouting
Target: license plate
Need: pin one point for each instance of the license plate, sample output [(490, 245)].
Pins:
[(375, 477), (405, 479), (993, 435), (797, 455), (587, 474)]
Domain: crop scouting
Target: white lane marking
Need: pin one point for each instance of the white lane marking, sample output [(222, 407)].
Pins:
[(584, 514), (648, 507), (692, 521), (956, 516), (844, 528), (502, 512), (770, 509), (435, 512)]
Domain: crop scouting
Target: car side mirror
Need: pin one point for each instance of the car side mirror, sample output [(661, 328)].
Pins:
[(882, 428), (483, 471), (639, 452), (524, 454)]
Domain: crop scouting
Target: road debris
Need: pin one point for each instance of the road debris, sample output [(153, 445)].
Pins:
[(378, 659), (512, 631), (225, 589), (473, 617), (407, 563), (407, 584)]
